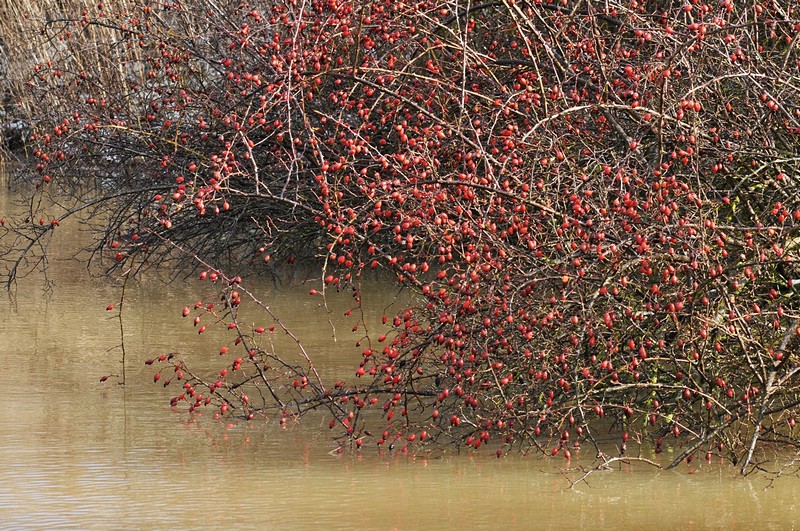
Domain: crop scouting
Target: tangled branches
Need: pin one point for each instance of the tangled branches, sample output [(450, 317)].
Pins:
[(596, 205)]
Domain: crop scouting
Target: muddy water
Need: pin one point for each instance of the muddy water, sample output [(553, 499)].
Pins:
[(79, 454)]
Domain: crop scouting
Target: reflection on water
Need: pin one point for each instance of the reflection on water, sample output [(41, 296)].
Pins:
[(78, 454)]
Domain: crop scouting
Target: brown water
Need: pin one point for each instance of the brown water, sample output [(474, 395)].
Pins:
[(78, 454)]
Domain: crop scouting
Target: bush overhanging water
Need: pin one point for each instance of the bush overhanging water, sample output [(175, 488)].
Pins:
[(596, 203)]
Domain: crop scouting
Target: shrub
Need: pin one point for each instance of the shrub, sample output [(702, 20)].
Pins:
[(597, 208)]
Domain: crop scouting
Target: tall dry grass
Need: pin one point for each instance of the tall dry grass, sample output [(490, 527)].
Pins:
[(52, 51), (70, 34)]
